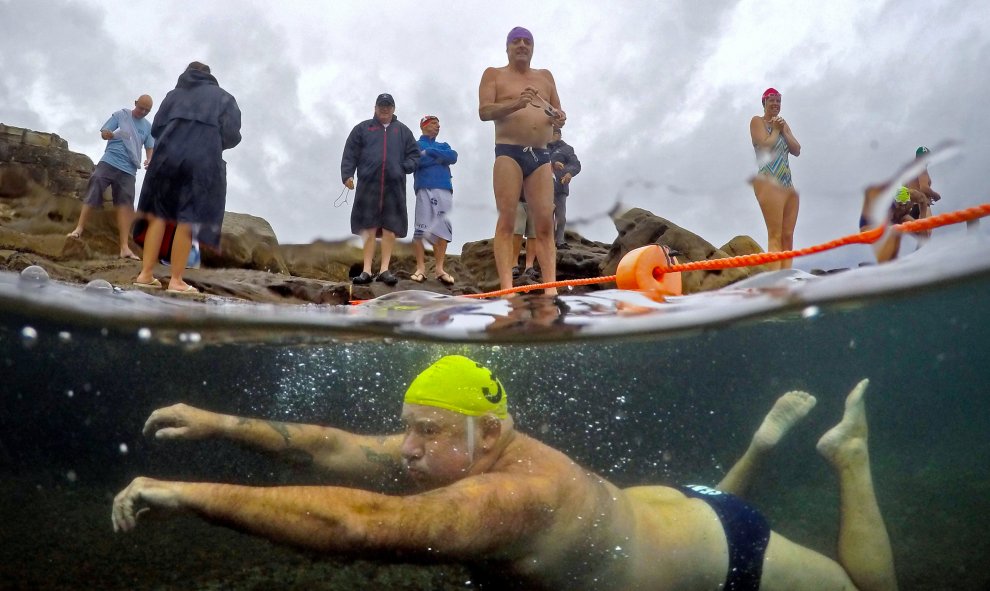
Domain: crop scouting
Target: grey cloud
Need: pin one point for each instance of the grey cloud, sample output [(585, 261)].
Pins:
[(620, 71)]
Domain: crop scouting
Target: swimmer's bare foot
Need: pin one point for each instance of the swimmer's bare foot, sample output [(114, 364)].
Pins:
[(786, 412), (128, 254), (74, 234), (847, 440)]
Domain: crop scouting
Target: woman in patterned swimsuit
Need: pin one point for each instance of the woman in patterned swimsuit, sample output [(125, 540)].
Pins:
[(773, 141)]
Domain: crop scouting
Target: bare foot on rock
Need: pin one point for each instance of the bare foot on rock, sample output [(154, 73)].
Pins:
[(847, 440), (786, 412), (74, 234)]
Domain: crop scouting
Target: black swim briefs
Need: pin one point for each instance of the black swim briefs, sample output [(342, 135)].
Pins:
[(528, 159), (747, 534)]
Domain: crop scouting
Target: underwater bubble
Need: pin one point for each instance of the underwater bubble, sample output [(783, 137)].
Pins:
[(104, 332), (71, 476), (34, 276), (811, 312), (65, 336), (144, 334), (70, 393), (29, 336), (123, 448), (101, 286), (190, 337)]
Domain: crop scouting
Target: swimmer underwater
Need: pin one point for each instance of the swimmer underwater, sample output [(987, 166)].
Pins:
[(491, 495)]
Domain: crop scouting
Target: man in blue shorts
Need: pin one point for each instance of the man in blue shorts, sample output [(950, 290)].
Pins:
[(434, 200), (523, 103), (126, 132)]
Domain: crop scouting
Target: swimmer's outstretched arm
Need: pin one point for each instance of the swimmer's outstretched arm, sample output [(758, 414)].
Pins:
[(334, 450), (493, 515)]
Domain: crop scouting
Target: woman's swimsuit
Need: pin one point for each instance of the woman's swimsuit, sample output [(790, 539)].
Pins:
[(773, 163)]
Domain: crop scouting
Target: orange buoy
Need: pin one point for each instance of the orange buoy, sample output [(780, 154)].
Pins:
[(641, 270)]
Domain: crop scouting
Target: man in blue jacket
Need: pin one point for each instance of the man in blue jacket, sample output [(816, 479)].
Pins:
[(434, 199), (383, 151), (186, 184)]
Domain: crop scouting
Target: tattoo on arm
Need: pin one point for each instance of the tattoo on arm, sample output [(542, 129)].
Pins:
[(383, 460), (290, 454), (282, 429)]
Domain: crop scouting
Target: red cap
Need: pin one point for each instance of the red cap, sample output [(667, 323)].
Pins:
[(770, 92), (426, 119)]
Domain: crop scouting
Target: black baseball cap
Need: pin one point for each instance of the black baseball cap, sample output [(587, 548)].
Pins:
[(384, 100)]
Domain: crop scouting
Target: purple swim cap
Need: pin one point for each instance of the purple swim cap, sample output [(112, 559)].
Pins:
[(518, 33)]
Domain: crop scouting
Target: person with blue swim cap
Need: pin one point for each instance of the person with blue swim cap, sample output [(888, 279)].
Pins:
[(484, 493)]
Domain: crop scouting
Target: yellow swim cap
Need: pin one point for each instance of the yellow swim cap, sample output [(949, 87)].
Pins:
[(902, 195), (456, 383)]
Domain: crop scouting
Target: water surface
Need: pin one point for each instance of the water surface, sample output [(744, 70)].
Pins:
[(643, 393)]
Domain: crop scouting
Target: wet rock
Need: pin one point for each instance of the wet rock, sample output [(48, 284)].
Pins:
[(246, 242), (638, 227), (44, 159)]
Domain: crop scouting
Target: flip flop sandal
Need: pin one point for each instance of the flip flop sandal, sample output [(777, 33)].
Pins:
[(153, 284), (418, 277), (446, 279)]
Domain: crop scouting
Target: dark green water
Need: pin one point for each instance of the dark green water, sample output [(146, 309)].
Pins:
[(644, 410)]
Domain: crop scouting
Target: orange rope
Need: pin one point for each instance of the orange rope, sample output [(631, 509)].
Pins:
[(864, 237)]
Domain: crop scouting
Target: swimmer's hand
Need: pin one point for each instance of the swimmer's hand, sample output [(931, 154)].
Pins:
[(349, 183), (141, 496), (559, 117), (106, 134), (181, 421)]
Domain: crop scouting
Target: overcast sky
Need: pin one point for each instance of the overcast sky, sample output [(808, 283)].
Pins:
[(658, 95)]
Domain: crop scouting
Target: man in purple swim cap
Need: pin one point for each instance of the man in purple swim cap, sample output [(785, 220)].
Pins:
[(524, 105)]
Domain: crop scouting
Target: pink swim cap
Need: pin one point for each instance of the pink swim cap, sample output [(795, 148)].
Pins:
[(770, 92)]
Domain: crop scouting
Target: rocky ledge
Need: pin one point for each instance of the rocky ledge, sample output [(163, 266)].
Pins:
[(42, 181)]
